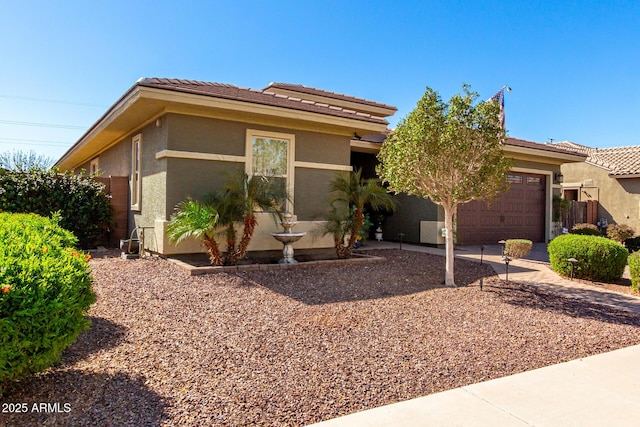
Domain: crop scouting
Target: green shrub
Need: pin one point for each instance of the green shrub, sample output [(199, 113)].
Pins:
[(634, 269), (619, 232), (633, 244), (599, 258), (586, 230), (84, 208), (517, 248), (45, 291)]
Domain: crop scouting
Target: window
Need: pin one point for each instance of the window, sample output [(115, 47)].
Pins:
[(271, 155), (136, 162), (533, 180), (94, 167), (514, 179)]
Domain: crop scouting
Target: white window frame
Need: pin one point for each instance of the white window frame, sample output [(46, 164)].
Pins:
[(291, 144), (94, 166), (136, 168)]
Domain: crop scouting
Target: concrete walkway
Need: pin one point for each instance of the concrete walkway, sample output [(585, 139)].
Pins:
[(601, 390)]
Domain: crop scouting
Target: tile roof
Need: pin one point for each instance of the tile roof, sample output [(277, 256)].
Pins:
[(538, 146), (327, 94), (257, 96), (380, 137), (618, 161)]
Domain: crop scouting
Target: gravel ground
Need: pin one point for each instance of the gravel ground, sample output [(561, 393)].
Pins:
[(294, 347)]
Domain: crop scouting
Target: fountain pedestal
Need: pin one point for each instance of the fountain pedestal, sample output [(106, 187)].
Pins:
[(288, 237)]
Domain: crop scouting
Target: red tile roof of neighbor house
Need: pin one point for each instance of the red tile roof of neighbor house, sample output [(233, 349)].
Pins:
[(262, 96), (619, 161)]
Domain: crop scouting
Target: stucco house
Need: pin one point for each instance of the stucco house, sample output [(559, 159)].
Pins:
[(178, 138), (524, 211), (610, 176)]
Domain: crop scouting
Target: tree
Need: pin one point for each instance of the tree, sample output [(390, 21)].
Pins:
[(450, 153), (19, 161), (349, 195)]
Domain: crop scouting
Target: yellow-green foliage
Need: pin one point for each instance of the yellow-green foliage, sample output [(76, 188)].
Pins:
[(634, 269), (599, 258), (45, 292), (517, 248)]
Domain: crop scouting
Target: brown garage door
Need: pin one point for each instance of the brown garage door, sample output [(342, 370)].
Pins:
[(516, 214)]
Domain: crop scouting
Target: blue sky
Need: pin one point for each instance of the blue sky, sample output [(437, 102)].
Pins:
[(574, 66)]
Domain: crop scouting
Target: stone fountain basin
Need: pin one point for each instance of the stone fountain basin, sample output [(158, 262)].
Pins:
[(289, 237)]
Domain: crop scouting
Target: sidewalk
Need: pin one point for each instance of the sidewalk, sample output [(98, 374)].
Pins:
[(601, 390)]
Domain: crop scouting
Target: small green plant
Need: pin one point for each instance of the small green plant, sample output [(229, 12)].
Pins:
[(634, 270), (619, 232), (586, 229), (45, 292), (560, 207), (350, 193), (599, 258), (517, 248)]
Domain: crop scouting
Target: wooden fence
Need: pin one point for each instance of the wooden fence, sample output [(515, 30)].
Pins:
[(580, 213)]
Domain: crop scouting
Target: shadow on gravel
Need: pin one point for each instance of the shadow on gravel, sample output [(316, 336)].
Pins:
[(75, 398), (531, 297), (103, 334), (334, 284)]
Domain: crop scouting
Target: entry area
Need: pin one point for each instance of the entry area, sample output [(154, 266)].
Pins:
[(519, 213)]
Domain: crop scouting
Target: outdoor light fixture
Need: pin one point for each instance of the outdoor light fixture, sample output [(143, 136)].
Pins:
[(503, 244), (573, 262), (400, 236), (482, 248), (558, 178), (507, 260)]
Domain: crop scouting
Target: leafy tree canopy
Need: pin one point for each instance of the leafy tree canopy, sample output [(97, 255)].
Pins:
[(450, 153)]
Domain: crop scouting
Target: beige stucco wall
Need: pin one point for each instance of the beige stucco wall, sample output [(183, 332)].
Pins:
[(197, 177), (618, 199)]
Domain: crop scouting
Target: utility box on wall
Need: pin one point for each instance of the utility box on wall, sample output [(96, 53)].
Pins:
[(431, 232)]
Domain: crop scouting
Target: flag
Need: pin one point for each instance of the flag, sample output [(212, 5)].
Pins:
[(499, 96)]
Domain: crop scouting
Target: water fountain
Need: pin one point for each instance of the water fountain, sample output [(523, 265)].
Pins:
[(288, 237)]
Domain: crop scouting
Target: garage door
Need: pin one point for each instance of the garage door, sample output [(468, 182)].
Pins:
[(517, 214)]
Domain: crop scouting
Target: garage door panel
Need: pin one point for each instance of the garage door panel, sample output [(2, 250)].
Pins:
[(518, 213)]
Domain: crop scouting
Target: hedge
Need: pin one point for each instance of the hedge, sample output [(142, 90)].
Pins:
[(84, 207), (599, 258), (634, 269), (45, 292), (517, 248)]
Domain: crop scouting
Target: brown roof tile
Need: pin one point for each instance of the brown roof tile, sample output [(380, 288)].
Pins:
[(327, 94), (617, 160), (539, 146), (226, 91)]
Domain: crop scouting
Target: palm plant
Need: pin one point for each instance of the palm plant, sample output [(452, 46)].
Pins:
[(196, 219), (349, 195), (238, 202)]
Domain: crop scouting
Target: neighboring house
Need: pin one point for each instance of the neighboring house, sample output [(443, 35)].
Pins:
[(179, 138), (524, 211), (611, 176)]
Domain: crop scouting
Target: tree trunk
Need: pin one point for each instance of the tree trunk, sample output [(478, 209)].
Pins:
[(448, 225), (355, 230), (212, 249), (249, 228)]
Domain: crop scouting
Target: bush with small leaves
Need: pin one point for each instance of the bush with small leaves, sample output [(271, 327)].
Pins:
[(619, 232), (45, 292), (84, 208), (634, 270), (517, 248), (586, 229), (599, 258)]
